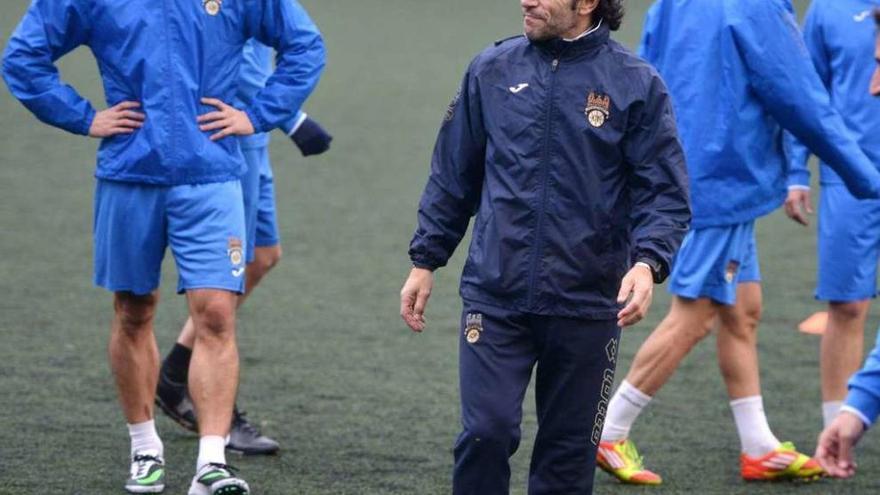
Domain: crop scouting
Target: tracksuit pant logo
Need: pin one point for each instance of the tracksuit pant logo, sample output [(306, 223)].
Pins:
[(473, 327), (607, 385)]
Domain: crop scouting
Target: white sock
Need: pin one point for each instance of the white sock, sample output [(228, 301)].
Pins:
[(212, 449), (623, 409), (144, 438), (751, 423), (830, 409)]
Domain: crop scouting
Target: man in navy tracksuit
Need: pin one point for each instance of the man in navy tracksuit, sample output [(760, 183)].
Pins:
[(564, 145)]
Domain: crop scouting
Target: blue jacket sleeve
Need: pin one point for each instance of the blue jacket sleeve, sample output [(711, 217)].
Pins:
[(864, 386), (658, 182), (648, 33), (797, 153), (49, 29), (782, 75), (285, 26), (452, 194)]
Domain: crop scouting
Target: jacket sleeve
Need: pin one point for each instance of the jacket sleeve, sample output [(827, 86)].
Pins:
[(795, 151), (645, 47), (452, 194), (285, 26), (658, 182), (49, 29), (864, 387), (782, 75)]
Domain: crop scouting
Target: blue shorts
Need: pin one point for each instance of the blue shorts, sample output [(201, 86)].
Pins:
[(713, 261), (203, 224), (849, 246), (258, 188)]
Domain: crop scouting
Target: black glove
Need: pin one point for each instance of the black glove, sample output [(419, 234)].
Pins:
[(311, 138)]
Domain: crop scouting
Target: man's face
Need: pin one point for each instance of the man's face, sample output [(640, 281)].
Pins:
[(548, 19), (875, 81)]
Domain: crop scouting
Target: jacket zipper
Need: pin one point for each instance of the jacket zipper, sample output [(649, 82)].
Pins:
[(545, 179)]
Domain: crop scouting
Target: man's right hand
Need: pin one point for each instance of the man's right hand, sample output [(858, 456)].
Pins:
[(798, 205), (118, 119), (836, 445), (414, 297)]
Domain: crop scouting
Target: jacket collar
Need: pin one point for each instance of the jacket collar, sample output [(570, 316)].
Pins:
[(591, 39)]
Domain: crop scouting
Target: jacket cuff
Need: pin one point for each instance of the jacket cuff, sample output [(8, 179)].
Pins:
[(855, 412), (256, 121), (658, 268), (87, 122), (420, 263), (864, 402), (799, 179)]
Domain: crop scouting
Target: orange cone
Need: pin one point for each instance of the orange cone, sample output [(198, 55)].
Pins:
[(815, 324)]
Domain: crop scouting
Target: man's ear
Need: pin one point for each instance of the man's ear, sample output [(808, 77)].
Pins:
[(586, 7)]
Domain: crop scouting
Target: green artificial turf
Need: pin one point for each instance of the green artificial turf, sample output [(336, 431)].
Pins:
[(360, 405)]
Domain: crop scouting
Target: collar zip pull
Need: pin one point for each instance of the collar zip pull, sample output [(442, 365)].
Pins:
[(554, 65)]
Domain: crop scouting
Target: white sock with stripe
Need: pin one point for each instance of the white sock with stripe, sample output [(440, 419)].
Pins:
[(751, 423), (212, 450), (830, 410), (144, 438), (623, 410)]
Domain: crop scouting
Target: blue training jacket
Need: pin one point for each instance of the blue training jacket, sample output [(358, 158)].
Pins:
[(256, 68), (840, 37), (738, 72), (166, 54), (864, 387), (568, 154)]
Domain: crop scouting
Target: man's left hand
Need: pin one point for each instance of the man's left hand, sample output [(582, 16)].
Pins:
[(228, 119), (836, 444), (638, 288)]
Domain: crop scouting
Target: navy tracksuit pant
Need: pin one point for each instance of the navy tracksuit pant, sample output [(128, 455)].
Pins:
[(575, 361)]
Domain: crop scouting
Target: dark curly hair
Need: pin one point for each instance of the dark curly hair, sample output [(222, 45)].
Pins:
[(877, 16), (611, 12)]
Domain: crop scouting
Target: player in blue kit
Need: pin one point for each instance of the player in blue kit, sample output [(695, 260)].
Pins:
[(263, 248), (837, 442), (839, 36), (738, 74), (168, 176)]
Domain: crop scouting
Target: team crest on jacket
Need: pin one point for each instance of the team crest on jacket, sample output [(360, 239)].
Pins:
[(212, 7), (598, 109), (473, 327)]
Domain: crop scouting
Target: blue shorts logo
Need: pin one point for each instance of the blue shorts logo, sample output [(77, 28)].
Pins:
[(236, 256)]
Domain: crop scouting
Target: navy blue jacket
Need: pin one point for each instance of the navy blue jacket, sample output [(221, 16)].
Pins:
[(567, 152)]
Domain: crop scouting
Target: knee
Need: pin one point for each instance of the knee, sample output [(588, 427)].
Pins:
[(694, 331), (214, 318), (494, 429), (849, 311), (134, 313), (266, 259)]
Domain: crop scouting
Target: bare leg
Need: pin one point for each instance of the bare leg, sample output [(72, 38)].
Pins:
[(134, 357), (213, 374), (265, 258), (738, 342), (686, 324), (840, 354)]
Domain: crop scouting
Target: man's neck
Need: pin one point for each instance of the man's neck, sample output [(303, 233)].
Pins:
[(581, 31)]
